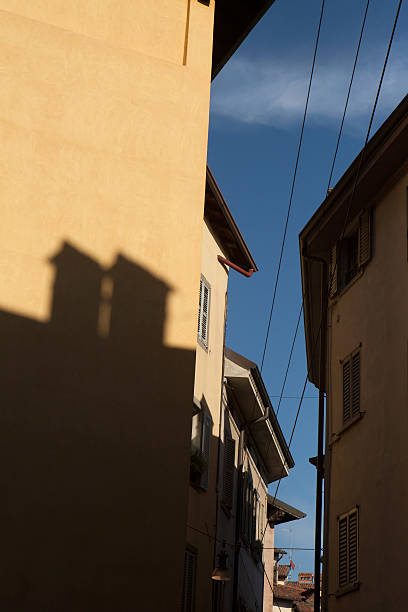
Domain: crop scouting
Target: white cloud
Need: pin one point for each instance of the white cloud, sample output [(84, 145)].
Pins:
[(273, 92)]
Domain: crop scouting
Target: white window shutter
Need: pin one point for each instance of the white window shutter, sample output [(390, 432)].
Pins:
[(364, 240), (203, 312), (205, 447), (228, 472), (333, 271)]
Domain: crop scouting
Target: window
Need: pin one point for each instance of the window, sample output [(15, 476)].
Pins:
[(203, 312), (348, 548), (200, 449), (190, 565), (351, 386), (228, 472), (348, 257)]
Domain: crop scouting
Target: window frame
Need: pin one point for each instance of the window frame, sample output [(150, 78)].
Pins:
[(201, 444)]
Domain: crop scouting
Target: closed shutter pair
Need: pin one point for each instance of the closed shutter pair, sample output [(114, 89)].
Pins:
[(364, 253), (348, 548)]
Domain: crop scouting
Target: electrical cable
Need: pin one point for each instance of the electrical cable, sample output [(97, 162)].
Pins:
[(292, 187), (361, 159), (328, 185)]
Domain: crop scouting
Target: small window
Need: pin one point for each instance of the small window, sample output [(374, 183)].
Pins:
[(351, 387), (200, 449), (349, 256), (203, 312), (190, 566), (348, 548)]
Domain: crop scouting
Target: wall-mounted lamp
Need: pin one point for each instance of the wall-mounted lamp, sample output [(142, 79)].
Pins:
[(221, 571)]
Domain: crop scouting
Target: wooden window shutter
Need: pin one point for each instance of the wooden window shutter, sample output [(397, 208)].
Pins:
[(343, 573), (348, 548), (355, 377), (346, 391), (228, 472), (353, 546), (190, 561), (364, 241), (205, 447), (333, 271), (203, 311), (351, 387)]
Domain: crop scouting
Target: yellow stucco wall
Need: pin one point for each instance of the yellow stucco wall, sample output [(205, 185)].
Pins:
[(207, 389), (103, 123), (369, 461)]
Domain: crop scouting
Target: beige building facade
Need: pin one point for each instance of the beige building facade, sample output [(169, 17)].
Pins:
[(364, 279), (221, 239), (253, 453), (103, 117)]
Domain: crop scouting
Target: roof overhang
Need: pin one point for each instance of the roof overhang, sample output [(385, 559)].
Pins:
[(280, 512), (233, 21), (224, 227), (250, 393), (384, 160)]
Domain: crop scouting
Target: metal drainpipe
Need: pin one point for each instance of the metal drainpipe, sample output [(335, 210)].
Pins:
[(320, 437), (320, 429), (238, 513), (226, 262)]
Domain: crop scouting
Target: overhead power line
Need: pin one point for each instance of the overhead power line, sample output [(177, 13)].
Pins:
[(351, 199), (292, 187)]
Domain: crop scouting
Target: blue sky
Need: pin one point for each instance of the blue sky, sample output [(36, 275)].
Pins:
[(257, 105)]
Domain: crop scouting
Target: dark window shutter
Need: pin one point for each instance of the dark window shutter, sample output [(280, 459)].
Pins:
[(343, 573), (348, 548), (205, 447), (365, 238), (333, 271), (190, 559), (355, 377), (353, 546), (228, 472), (346, 391)]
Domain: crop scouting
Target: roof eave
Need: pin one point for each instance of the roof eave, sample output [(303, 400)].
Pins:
[(233, 21), (227, 223)]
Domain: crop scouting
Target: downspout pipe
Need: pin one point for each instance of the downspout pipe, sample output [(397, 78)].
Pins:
[(320, 433), (320, 428), (230, 264)]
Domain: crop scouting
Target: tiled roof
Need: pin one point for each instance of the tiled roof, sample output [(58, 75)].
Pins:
[(284, 591), (283, 571), (303, 606), (295, 592)]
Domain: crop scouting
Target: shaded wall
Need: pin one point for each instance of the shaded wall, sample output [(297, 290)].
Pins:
[(79, 428)]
